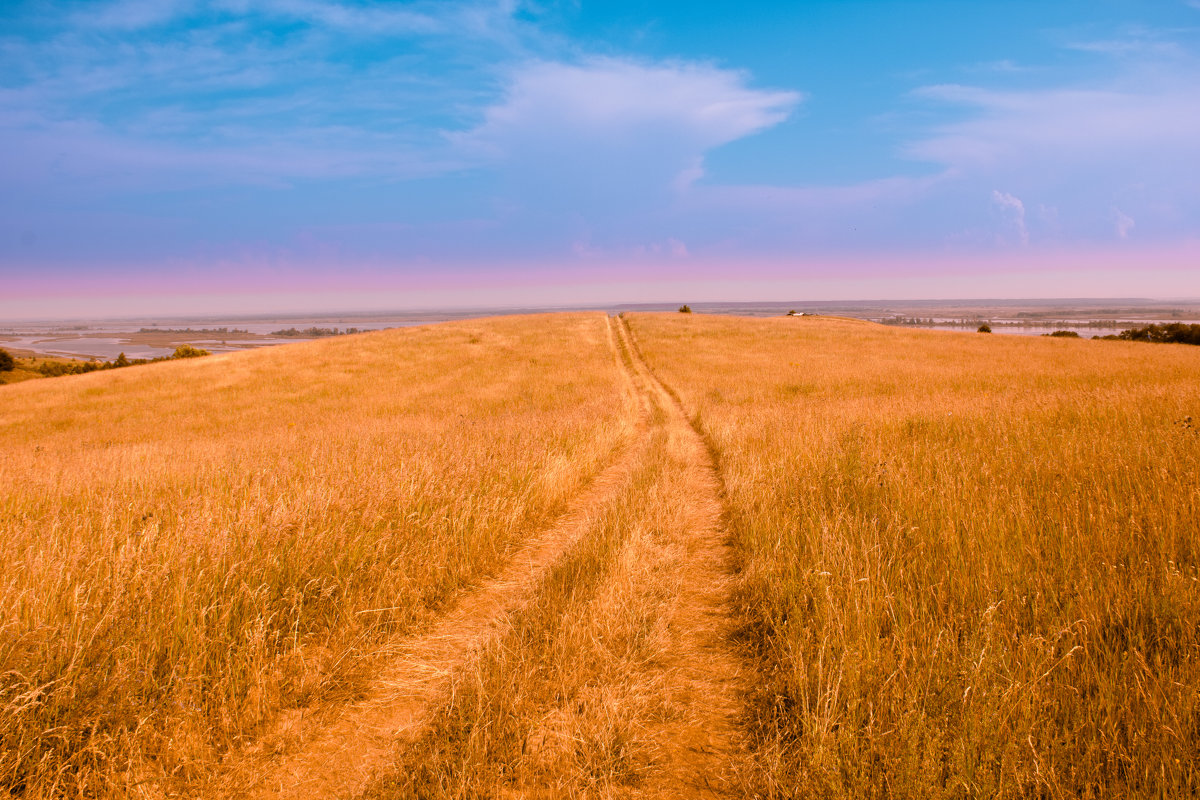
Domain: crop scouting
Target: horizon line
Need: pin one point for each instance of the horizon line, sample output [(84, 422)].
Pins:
[(508, 309)]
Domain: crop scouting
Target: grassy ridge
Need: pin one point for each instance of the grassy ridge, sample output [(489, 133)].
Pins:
[(970, 564), (190, 547)]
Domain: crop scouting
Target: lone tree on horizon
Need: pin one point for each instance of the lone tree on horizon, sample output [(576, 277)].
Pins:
[(685, 309)]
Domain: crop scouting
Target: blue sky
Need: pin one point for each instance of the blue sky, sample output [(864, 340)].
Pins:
[(187, 155)]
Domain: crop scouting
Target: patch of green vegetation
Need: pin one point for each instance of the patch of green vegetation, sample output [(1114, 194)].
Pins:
[(53, 368), (1170, 333), (314, 332)]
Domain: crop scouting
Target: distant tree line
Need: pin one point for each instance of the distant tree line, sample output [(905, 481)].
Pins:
[(311, 333), (968, 322), (218, 331), (53, 369), (1169, 333)]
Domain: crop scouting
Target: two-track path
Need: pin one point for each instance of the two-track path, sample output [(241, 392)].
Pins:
[(335, 753), (702, 742)]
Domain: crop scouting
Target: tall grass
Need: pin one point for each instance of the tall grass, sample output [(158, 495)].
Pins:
[(188, 548), (549, 704), (581, 696), (969, 564)]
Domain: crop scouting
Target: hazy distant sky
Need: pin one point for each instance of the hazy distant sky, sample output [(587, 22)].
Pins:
[(179, 155)]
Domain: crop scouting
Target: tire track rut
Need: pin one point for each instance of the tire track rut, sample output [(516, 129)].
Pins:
[(702, 744), (339, 751)]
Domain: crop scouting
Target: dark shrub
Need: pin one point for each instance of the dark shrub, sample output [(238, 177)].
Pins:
[(985, 328), (1171, 333), (53, 369), (7, 362), (187, 351), (685, 309), (1063, 334)]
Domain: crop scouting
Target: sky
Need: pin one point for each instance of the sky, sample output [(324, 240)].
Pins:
[(234, 156)]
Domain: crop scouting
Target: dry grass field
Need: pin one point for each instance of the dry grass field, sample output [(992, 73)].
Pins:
[(189, 548), (563, 556), (969, 563), (616, 679)]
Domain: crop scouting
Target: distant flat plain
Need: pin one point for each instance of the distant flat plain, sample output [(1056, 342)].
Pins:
[(151, 337)]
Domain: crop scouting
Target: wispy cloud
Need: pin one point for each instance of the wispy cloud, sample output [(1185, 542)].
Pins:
[(1133, 46), (234, 97), (1072, 124), (1013, 211), (616, 101), (474, 130), (605, 128)]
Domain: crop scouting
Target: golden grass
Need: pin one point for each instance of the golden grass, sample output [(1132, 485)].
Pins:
[(549, 707), (559, 704), (598, 687), (969, 563), (189, 547)]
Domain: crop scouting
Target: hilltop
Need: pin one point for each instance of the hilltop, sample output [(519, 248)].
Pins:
[(649, 555)]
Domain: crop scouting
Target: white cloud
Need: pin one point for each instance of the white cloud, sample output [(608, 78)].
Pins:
[(1122, 223), (615, 136), (185, 117), (1068, 124), (1014, 211), (612, 100), (1130, 142)]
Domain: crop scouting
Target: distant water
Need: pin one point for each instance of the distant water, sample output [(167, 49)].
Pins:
[(105, 348), (106, 339), (1083, 331)]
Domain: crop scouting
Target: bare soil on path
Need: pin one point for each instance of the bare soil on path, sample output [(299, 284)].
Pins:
[(701, 743)]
